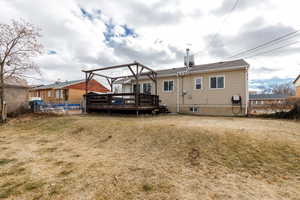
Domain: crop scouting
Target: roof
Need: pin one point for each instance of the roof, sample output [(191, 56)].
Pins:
[(296, 79), (267, 96), (58, 85), (226, 65)]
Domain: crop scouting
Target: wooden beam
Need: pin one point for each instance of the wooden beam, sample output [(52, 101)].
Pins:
[(132, 72), (102, 75), (111, 67), (151, 70)]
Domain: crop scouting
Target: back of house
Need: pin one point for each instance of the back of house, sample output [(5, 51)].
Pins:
[(210, 89)]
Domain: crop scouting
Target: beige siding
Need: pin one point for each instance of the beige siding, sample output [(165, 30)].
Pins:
[(16, 99), (209, 101)]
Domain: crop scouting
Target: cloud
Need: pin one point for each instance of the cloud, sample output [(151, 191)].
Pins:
[(242, 5), (250, 35), (95, 33)]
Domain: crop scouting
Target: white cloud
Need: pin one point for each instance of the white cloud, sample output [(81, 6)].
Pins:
[(160, 32)]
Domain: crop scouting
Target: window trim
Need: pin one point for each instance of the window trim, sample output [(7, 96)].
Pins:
[(195, 79), (49, 93), (163, 86), (216, 76)]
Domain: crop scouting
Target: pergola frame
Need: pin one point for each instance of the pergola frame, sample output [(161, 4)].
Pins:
[(135, 68)]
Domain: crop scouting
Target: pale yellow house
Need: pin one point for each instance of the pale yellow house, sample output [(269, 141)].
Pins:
[(210, 89)]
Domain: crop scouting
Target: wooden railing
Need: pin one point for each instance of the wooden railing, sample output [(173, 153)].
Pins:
[(123, 99)]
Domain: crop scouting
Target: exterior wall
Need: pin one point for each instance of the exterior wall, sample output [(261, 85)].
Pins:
[(298, 91), (75, 96), (297, 86), (208, 101), (16, 99), (49, 95)]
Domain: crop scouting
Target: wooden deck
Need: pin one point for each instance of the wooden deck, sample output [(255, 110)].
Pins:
[(122, 102)]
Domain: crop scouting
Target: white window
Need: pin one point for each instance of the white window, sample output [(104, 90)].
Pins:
[(168, 86), (217, 82), (49, 93), (147, 88), (198, 83), (57, 94), (194, 109)]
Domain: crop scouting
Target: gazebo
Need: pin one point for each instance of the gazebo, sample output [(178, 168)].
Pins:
[(134, 101)]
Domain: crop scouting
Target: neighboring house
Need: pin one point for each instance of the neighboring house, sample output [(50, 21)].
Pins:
[(69, 91), (297, 86), (16, 95), (267, 99), (209, 89)]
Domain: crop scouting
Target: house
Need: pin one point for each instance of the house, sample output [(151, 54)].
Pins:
[(209, 89), (297, 86), (267, 99), (16, 95), (68, 91)]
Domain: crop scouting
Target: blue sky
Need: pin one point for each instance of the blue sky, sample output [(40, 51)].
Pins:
[(80, 34)]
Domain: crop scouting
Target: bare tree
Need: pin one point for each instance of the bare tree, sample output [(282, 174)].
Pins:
[(19, 43), (285, 89)]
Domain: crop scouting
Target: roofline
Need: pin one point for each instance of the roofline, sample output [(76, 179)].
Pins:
[(16, 86), (70, 84), (200, 71), (58, 87)]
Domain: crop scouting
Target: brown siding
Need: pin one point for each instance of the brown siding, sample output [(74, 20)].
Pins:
[(298, 91), (75, 96)]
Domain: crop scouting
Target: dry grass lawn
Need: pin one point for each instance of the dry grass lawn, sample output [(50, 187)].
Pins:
[(163, 157)]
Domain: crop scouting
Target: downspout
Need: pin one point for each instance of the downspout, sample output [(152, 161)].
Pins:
[(177, 99), (247, 93)]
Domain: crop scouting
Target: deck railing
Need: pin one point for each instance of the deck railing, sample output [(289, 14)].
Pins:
[(122, 100)]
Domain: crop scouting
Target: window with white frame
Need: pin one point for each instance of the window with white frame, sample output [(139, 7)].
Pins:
[(217, 82), (168, 86), (49, 93), (57, 94), (198, 83), (147, 88)]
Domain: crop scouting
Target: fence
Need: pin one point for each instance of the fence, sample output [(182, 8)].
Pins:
[(56, 108)]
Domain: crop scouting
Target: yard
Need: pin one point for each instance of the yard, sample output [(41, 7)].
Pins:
[(162, 157)]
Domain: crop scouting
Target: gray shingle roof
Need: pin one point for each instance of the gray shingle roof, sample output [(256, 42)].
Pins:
[(204, 67), (58, 85), (267, 96), (199, 68)]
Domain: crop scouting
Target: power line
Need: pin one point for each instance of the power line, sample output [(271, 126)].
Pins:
[(266, 43), (222, 24), (272, 50)]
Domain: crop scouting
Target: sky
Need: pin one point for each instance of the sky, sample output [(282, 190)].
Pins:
[(81, 34)]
